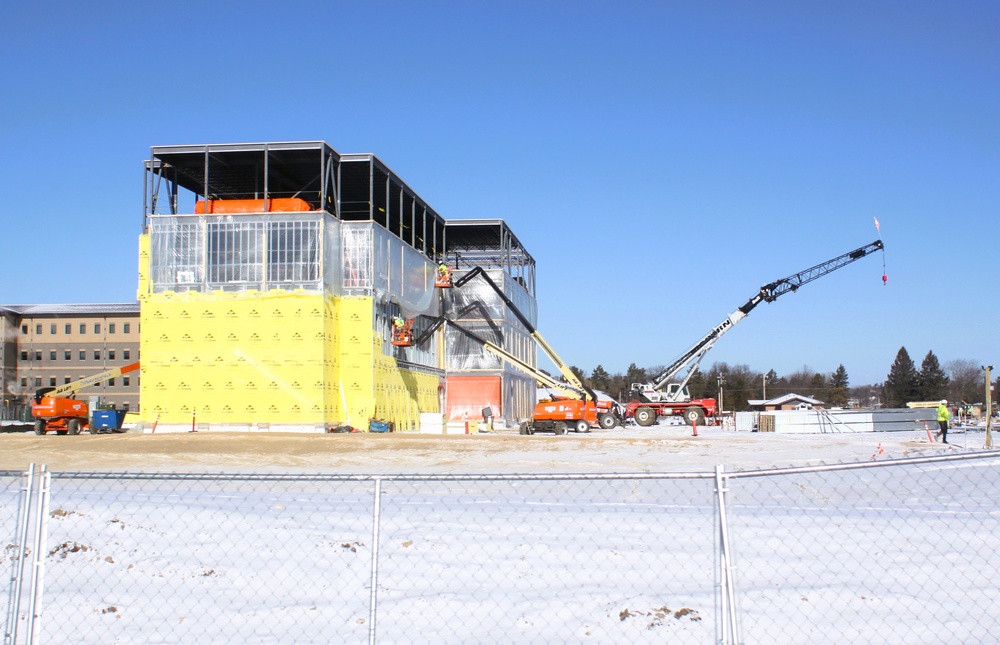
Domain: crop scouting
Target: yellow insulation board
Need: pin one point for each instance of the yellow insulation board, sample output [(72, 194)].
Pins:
[(238, 358), (276, 358)]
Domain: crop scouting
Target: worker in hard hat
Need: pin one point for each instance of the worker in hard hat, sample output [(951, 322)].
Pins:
[(942, 418)]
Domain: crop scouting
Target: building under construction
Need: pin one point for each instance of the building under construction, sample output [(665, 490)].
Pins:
[(269, 276)]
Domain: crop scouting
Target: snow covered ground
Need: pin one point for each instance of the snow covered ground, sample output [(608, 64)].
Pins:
[(887, 554)]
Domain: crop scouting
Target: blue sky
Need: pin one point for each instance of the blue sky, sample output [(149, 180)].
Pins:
[(660, 160)]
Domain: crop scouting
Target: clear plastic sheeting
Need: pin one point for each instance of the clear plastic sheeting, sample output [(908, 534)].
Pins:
[(378, 263), (208, 253), (466, 355), (476, 299)]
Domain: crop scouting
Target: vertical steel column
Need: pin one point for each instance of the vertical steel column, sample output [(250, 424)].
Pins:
[(726, 620), (373, 599), (38, 557), (17, 557)]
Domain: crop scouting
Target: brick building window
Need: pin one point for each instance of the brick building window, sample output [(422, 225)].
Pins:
[(83, 354), (52, 329), (38, 329), (97, 354), (52, 355), (68, 355), (52, 381), (24, 356), (69, 329), (83, 328), (111, 328), (127, 328), (38, 355), (97, 328), (126, 354)]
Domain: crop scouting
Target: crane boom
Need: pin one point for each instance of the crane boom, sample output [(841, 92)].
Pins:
[(767, 293)]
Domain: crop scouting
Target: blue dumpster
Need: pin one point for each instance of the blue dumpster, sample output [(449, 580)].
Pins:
[(108, 420)]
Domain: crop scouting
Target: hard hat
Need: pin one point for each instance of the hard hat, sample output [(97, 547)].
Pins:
[(944, 402)]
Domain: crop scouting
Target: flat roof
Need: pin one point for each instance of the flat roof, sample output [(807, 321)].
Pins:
[(82, 309)]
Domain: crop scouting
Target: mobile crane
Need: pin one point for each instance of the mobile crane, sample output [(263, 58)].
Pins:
[(54, 408), (649, 401)]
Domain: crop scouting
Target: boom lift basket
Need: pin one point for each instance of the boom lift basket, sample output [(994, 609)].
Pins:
[(402, 335)]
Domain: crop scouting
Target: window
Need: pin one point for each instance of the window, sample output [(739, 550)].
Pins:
[(24, 356), (65, 380), (83, 354), (52, 329), (97, 328), (68, 355), (38, 329), (52, 355), (24, 329), (111, 354), (69, 329), (111, 382), (126, 326), (52, 381), (125, 407), (125, 381), (126, 354), (83, 328), (24, 382), (97, 354), (111, 328), (38, 355), (38, 381)]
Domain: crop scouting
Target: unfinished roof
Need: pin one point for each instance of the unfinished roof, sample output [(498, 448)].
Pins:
[(248, 170)]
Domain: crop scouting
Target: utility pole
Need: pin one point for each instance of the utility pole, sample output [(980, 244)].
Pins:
[(722, 381), (989, 406), (763, 381)]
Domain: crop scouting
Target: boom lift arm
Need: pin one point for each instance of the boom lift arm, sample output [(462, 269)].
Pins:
[(564, 369), (767, 293), (564, 389), (93, 379)]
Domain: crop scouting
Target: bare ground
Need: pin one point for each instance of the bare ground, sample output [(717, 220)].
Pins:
[(656, 449)]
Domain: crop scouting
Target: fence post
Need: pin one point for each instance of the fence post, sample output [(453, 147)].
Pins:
[(38, 557), (373, 599), (17, 557), (727, 621)]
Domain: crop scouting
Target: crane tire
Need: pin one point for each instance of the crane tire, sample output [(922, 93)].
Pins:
[(694, 416), (645, 416), (559, 427), (39, 426), (607, 420), (581, 426), (73, 426), (526, 428)]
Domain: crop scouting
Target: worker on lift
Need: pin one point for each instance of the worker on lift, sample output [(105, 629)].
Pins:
[(402, 332), (443, 276)]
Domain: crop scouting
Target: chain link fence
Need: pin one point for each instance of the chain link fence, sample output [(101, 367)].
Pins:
[(886, 552)]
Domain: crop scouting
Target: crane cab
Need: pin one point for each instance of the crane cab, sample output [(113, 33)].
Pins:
[(402, 333)]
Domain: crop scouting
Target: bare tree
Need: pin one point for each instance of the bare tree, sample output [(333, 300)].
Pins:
[(966, 381)]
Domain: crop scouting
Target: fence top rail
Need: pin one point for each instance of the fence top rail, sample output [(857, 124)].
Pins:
[(292, 477), (905, 461)]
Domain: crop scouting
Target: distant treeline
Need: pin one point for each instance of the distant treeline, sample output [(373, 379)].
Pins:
[(959, 381)]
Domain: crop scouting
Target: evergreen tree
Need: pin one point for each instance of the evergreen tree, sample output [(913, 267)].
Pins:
[(635, 375), (817, 387), (838, 388), (901, 384), (600, 379), (932, 380)]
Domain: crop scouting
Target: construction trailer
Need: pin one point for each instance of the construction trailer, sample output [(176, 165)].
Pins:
[(269, 276)]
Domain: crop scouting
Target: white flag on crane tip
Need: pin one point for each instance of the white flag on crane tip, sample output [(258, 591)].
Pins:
[(876, 225)]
